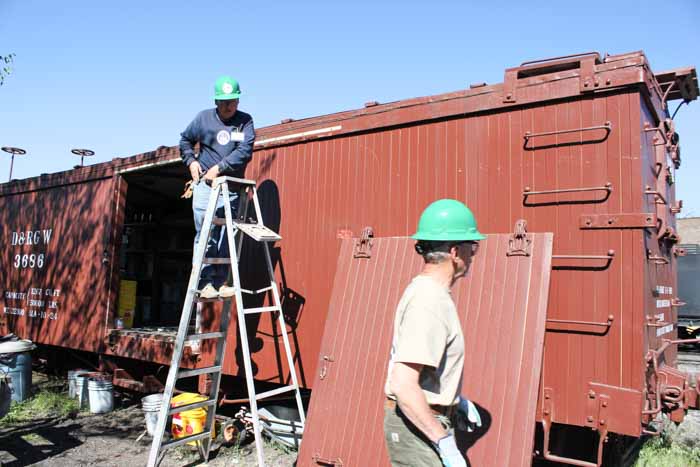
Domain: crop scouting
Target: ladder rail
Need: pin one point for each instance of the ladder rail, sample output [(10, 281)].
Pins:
[(153, 456), (283, 331), (244, 334)]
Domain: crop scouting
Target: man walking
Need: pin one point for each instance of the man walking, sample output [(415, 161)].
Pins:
[(225, 136), (424, 377)]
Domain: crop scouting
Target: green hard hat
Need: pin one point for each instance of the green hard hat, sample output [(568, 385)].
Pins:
[(447, 220), (226, 88)]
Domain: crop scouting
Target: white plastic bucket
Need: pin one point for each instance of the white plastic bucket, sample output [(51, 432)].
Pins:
[(101, 395), (151, 406), (72, 385)]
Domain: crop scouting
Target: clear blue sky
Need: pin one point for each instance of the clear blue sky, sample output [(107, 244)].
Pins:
[(126, 77)]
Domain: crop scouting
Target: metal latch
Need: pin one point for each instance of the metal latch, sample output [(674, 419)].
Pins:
[(363, 246)]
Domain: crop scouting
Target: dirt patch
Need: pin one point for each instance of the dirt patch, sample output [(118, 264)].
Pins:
[(84, 439)]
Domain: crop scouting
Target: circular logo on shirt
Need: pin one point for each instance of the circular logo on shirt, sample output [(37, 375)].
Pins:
[(223, 137), (227, 88)]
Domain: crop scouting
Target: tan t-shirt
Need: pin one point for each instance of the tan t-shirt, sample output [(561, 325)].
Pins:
[(427, 331)]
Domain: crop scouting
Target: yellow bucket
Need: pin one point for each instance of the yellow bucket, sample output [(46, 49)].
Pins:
[(189, 422)]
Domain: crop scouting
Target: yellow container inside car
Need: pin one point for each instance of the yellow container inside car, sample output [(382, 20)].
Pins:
[(189, 422)]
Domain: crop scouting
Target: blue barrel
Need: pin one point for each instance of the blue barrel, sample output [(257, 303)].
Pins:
[(19, 369), (16, 362)]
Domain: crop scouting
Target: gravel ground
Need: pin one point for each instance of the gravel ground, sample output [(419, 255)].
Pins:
[(85, 439), (110, 440)]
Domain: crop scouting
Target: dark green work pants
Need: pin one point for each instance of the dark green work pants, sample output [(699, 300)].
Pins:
[(407, 446)]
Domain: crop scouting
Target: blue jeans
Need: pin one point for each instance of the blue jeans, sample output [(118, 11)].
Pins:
[(216, 274)]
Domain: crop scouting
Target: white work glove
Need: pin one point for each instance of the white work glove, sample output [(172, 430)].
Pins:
[(469, 415), (449, 454)]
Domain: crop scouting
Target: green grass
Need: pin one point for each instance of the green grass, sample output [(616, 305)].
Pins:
[(662, 452), (45, 404)]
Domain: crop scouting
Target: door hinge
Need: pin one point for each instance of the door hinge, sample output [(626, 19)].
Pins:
[(363, 246)]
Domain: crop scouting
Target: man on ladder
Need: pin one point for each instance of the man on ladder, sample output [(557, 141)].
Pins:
[(218, 212), (225, 136)]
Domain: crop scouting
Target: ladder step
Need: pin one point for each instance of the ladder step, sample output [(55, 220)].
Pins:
[(216, 261), (257, 232), (194, 405), (260, 309), (199, 371), (205, 335), (186, 439), (255, 292), (274, 392)]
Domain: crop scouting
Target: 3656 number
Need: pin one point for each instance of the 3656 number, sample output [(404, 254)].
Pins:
[(29, 261)]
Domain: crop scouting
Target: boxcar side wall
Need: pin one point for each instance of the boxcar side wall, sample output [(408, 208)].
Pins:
[(52, 273), (322, 190)]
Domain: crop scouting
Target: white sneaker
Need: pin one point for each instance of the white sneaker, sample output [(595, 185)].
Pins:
[(208, 291), (226, 291)]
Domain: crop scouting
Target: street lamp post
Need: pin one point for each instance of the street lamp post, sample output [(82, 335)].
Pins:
[(83, 153), (14, 152)]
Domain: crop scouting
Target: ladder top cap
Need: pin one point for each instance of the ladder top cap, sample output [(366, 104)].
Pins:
[(239, 181)]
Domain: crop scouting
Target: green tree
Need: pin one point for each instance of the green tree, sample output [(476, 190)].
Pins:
[(5, 66)]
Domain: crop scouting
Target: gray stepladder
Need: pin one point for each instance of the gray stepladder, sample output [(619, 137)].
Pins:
[(257, 231)]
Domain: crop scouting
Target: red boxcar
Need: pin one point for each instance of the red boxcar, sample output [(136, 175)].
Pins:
[(581, 146)]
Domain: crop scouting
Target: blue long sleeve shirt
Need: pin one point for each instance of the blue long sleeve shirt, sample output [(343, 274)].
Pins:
[(226, 143)]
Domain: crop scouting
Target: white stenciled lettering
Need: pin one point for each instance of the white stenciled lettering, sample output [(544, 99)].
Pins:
[(15, 295), (30, 261), (13, 311), (31, 237)]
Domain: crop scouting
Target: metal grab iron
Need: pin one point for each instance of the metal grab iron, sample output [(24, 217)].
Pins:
[(607, 126), (648, 128), (527, 191), (606, 324), (656, 193)]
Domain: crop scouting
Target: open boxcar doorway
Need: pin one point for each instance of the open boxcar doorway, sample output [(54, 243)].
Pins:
[(155, 246)]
